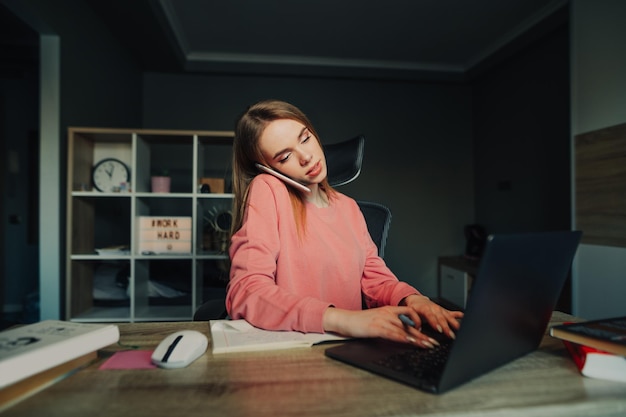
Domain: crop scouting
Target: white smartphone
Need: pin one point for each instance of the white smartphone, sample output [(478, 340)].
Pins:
[(283, 177)]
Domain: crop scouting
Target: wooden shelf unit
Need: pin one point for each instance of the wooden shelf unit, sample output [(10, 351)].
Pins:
[(129, 285)]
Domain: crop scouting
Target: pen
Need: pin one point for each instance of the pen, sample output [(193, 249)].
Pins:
[(431, 343), (406, 320)]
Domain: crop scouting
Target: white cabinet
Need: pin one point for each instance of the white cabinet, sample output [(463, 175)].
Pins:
[(108, 277), (456, 276)]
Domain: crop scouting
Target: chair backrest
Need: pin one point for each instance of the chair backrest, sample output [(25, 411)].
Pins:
[(344, 160), (378, 219), (213, 309)]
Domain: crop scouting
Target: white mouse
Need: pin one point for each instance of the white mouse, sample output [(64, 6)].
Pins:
[(179, 349)]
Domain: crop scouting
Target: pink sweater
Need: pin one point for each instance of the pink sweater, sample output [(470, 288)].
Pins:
[(281, 282)]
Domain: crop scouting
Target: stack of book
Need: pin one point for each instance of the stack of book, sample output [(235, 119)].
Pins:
[(598, 347), (35, 356)]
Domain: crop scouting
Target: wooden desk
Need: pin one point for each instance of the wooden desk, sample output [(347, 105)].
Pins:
[(303, 382)]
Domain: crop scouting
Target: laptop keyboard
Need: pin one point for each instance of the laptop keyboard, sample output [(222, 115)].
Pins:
[(423, 364)]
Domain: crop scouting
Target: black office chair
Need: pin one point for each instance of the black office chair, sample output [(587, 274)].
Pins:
[(344, 161), (213, 309), (378, 219)]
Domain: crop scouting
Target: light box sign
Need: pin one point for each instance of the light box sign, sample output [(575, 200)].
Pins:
[(163, 235)]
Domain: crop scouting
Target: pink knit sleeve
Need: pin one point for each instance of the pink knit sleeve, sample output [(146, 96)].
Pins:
[(379, 284)]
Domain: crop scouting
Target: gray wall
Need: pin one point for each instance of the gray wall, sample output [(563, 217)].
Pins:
[(418, 152), (598, 101), (18, 127)]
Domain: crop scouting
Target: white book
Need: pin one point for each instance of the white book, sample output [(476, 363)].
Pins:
[(241, 336), (596, 363), (30, 349)]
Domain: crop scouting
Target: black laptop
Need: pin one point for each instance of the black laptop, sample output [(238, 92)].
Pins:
[(519, 280)]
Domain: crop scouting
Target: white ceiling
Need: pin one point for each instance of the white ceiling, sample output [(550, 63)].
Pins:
[(390, 39)]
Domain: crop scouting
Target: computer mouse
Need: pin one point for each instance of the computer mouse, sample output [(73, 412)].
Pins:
[(179, 349)]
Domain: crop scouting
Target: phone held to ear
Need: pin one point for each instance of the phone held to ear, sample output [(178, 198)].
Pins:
[(283, 177)]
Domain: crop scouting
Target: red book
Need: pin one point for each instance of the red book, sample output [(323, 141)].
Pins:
[(595, 363)]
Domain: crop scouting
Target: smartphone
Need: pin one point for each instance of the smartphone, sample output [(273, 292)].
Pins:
[(283, 177)]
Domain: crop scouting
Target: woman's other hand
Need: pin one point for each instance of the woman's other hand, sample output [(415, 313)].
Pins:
[(424, 310)]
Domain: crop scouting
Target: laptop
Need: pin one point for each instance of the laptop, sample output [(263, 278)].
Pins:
[(518, 283)]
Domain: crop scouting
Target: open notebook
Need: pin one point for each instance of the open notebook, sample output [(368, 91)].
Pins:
[(240, 336), (518, 283)]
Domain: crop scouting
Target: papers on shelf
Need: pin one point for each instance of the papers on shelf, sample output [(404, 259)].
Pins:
[(241, 336), (114, 251)]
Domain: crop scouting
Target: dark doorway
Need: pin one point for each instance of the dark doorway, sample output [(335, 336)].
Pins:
[(19, 167)]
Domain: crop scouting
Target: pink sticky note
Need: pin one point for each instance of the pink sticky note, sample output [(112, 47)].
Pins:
[(129, 359)]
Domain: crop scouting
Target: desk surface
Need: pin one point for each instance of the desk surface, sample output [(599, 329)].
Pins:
[(303, 382)]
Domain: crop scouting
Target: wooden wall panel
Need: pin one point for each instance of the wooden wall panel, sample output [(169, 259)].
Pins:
[(601, 186)]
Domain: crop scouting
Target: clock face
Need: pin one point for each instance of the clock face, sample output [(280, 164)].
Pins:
[(110, 173)]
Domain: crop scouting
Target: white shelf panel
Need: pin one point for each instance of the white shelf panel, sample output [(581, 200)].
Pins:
[(164, 195), (214, 195), (104, 314), (164, 313), (96, 257), (99, 194)]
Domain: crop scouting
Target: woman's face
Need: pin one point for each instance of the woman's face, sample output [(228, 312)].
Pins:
[(289, 147)]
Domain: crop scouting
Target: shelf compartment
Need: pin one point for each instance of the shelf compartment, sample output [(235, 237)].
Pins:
[(169, 155), (215, 163), (214, 218), (99, 289), (162, 285), (212, 278), (165, 208), (99, 222), (88, 146)]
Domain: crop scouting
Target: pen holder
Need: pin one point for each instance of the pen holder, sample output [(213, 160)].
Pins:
[(161, 184)]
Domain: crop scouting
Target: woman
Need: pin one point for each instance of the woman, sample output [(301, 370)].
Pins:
[(303, 260)]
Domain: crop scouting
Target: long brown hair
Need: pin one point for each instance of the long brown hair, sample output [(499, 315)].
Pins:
[(246, 152)]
